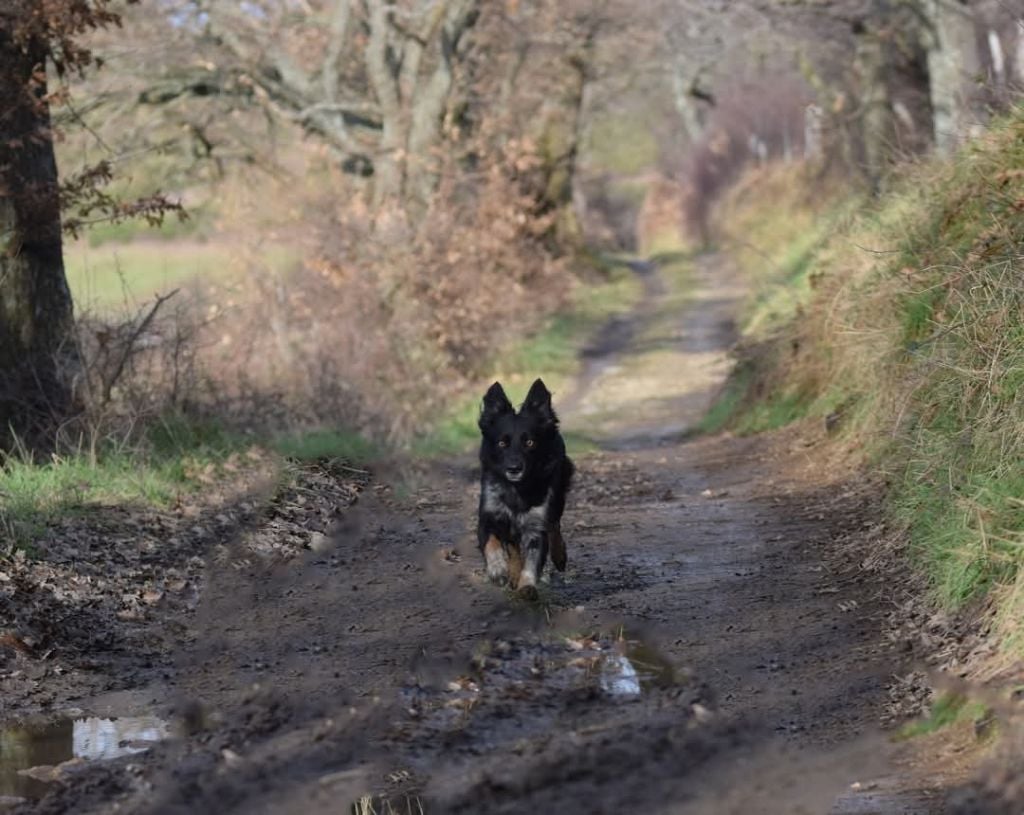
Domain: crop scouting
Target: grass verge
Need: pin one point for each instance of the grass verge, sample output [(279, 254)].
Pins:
[(113, 276), (176, 459), (904, 328)]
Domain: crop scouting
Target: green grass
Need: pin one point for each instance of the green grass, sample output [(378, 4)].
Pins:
[(552, 354), (197, 224), (730, 401), (618, 145), (908, 312), (949, 709), (177, 457), (779, 410), (315, 445), (779, 298), (117, 276)]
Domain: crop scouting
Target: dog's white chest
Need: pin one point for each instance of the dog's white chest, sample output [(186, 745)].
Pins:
[(532, 522)]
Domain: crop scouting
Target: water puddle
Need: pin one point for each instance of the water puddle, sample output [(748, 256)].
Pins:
[(32, 756), (632, 667), (619, 677)]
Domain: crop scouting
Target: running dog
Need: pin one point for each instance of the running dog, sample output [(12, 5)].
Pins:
[(525, 476)]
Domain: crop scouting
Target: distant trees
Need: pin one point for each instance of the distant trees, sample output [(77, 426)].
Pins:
[(925, 72), (400, 92), (372, 80), (888, 78)]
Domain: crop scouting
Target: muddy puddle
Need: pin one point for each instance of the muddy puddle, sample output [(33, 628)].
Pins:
[(34, 755), (548, 700), (619, 668)]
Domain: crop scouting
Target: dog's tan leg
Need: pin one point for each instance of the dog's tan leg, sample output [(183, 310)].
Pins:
[(527, 584), (515, 566), (557, 542), (496, 561)]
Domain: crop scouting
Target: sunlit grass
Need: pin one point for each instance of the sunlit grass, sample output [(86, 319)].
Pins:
[(617, 144), (909, 315), (120, 276), (175, 458), (949, 709)]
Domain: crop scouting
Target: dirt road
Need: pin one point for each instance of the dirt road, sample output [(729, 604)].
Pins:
[(715, 646)]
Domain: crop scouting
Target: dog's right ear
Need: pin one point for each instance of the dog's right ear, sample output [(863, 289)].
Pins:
[(495, 404)]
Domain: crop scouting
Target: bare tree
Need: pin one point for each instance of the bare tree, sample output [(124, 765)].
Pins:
[(372, 80)]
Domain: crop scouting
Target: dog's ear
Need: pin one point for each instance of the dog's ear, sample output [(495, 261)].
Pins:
[(495, 404), (538, 403)]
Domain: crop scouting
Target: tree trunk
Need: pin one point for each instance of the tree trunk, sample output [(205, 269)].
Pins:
[(558, 135), (687, 105), (953, 65), (413, 102), (38, 356), (877, 125)]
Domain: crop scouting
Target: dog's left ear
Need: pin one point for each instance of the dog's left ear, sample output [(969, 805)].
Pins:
[(538, 403)]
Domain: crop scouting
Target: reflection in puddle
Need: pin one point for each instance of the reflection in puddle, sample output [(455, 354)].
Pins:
[(30, 755), (625, 668), (619, 677), (653, 670)]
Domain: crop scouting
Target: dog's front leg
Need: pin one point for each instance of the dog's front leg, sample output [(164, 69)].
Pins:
[(515, 565), (534, 549), (558, 555), (495, 560)]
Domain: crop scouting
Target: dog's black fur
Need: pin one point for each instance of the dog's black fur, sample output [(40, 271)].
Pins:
[(525, 476)]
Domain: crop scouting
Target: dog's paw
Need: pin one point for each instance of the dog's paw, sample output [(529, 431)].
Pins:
[(498, 578), (529, 593), (496, 561), (497, 571)]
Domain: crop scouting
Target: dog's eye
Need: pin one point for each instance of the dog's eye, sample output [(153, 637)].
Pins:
[(503, 443), (529, 442)]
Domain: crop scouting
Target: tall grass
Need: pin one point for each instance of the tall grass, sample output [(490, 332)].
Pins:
[(911, 324)]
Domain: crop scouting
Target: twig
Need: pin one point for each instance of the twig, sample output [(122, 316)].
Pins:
[(108, 386)]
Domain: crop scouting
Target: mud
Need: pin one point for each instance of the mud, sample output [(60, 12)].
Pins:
[(716, 646)]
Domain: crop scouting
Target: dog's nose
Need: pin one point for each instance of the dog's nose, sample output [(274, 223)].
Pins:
[(514, 468)]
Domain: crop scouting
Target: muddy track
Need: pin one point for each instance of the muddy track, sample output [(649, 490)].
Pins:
[(715, 645)]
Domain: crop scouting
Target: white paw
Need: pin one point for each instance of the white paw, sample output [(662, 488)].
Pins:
[(497, 566)]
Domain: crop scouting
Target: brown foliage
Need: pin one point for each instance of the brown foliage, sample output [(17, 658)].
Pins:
[(59, 24)]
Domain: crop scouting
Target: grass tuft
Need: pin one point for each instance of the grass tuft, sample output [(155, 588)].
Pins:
[(322, 444), (949, 709)]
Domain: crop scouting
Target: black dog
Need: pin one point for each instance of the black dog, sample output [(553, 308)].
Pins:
[(525, 476)]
